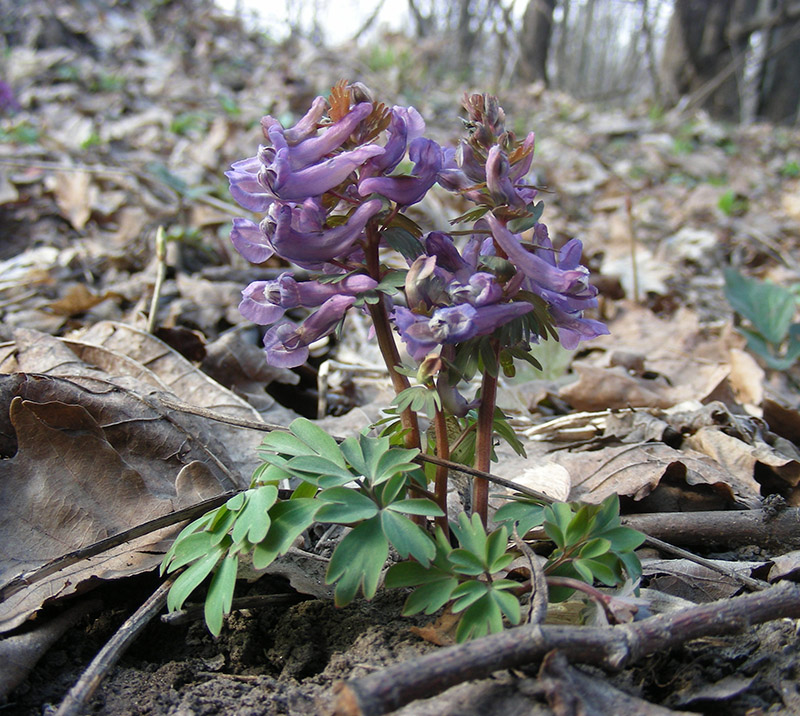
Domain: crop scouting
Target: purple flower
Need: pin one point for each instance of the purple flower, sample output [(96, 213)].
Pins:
[(295, 232), (558, 278), (248, 239), (500, 184), (454, 324), (289, 185), (7, 99), (312, 149), (264, 302), (480, 289), (286, 345), (406, 125), (452, 178), (304, 128), (406, 190), (246, 187)]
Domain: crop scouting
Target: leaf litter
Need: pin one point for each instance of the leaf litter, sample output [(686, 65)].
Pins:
[(669, 411)]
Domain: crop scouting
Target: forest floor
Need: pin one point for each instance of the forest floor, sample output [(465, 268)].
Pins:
[(128, 116)]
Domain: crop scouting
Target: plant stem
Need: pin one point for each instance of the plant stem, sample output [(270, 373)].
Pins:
[(442, 471), (483, 442), (383, 333)]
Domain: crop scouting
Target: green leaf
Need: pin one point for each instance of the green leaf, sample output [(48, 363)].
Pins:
[(404, 242), (496, 546), (527, 515), (394, 461), (507, 603), (407, 538), (601, 569), (283, 443), (317, 439), (220, 593), (470, 533), (517, 226), (578, 526), (430, 597), (345, 506), (320, 470), (351, 449), (357, 562), (191, 578), (768, 306), (304, 489), (467, 593), (287, 521), (410, 574), (416, 506), (188, 549), (253, 521), (623, 539), (465, 562), (594, 548)]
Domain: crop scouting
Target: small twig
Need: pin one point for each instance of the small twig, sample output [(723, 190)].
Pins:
[(722, 528), (75, 701), (611, 648), (161, 274), (749, 582)]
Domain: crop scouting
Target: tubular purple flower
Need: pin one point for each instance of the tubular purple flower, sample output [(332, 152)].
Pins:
[(498, 180), (523, 166), (573, 328), (469, 164), (454, 324), (313, 149), (248, 239), (264, 302), (304, 128), (290, 185), (246, 186), (406, 125), (480, 290), (440, 245), (313, 248), (453, 179), (540, 271), (406, 190), (286, 345)]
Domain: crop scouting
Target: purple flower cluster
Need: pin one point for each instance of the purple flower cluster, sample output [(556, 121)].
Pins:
[(328, 187)]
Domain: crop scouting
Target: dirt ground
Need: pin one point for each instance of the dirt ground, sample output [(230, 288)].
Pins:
[(283, 659)]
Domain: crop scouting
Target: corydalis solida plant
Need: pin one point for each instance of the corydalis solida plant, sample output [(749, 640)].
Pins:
[(331, 201)]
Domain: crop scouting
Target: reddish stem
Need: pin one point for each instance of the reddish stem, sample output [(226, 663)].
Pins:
[(442, 471), (483, 442)]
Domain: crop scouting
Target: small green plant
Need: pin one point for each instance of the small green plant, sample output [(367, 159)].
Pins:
[(187, 123), (93, 140), (791, 169), (732, 203), (335, 188), (769, 311), (21, 133)]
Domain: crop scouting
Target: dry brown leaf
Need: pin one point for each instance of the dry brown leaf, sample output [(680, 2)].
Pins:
[(692, 581), (75, 194), (637, 470), (609, 388), (88, 467), (78, 298)]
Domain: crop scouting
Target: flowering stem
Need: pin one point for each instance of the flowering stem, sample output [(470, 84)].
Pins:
[(442, 471), (483, 442), (386, 343)]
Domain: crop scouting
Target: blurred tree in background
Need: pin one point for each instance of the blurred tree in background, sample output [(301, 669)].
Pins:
[(739, 59)]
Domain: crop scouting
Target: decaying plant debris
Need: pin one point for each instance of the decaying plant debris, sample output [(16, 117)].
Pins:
[(127, 121)]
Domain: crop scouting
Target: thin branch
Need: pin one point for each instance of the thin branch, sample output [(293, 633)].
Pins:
[(611, 648), (76, 700)]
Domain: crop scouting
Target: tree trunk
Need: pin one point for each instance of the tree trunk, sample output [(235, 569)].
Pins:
[(697, 50), (780, 88), (534, 40)]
